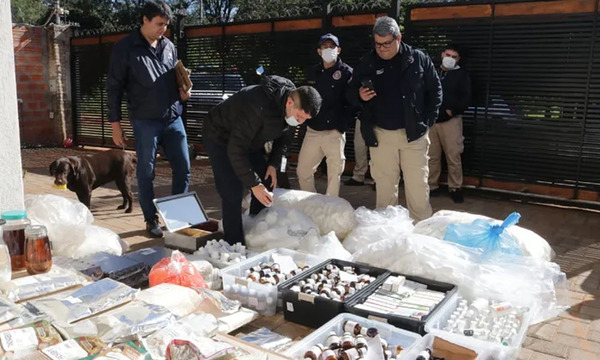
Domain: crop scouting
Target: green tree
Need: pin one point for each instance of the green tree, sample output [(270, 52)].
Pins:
[(32, 12)]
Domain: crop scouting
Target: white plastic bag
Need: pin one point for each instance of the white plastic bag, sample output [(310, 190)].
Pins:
[(329, 213), (530, 243), (69, 225), (179, 300), (327, 246), (376, 225), (276, 227), (522, 280)]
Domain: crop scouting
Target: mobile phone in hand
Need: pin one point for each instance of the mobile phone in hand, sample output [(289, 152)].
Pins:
[(368, 83)]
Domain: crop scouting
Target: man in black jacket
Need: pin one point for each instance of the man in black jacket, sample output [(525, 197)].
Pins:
[(141, 65), (447, 133), (325, 133), (400, 93), (234, 136)]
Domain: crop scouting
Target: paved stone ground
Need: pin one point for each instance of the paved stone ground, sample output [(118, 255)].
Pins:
[(573, 234)]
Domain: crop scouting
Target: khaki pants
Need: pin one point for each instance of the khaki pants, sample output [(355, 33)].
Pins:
[(393, 150), (361, 159), (446, 137), (316, 145)]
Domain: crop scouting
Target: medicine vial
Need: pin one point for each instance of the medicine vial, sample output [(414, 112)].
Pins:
[(314, 352)]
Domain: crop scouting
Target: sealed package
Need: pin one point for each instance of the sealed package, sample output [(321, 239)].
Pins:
[(29, 287)]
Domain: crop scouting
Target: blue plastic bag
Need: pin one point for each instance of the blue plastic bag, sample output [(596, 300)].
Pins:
[(484, 235)]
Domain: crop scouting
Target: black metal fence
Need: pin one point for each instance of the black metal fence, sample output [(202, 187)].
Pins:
[(536, 112), (536, 74)]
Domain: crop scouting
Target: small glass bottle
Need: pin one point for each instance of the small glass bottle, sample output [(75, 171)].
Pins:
[(14, 236), (347, 341), (353, 327), (328, 355), (38, 253), (333, 341), (314, 352), (352, 354)]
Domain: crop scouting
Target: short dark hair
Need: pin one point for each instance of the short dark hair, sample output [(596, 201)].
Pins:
[(310, 100), (155, 8), (455, 47)]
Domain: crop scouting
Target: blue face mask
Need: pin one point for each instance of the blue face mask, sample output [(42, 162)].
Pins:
[(291, 121)]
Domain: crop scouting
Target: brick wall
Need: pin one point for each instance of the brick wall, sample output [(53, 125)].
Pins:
[(31, 62)]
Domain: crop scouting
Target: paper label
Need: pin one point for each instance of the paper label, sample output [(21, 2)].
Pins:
[(73, 300), (241, 281), (253, 302), (19, 339), (283, 164), (377, 318), (67, 350), (147, 251), (290, 307), (344, 276), (306, 297), (286, 263)]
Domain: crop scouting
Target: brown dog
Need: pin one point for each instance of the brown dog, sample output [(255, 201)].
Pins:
[(82, 174)]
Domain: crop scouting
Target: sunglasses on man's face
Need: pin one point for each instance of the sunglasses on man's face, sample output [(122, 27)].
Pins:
[(385, 45)]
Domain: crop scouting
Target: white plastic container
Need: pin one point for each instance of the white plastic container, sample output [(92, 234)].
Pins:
[(260, 297), (391, 334), (438, 322)]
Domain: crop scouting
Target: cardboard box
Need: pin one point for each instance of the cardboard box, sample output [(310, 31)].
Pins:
[(188, 226), (450, 351)]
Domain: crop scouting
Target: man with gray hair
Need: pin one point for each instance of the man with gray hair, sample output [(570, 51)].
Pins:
[(400, 93)]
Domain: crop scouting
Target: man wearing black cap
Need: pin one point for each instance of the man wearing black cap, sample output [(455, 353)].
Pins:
[(325, 132)]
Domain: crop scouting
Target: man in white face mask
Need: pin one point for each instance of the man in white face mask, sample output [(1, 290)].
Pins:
[(447, 133), (234, 136), (325, 133)]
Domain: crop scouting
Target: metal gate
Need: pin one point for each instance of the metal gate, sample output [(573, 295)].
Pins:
[(536, 113)]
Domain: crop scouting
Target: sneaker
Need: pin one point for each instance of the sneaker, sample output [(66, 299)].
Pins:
[(457, 196), (352, 182), (435, 192), (153, 229)]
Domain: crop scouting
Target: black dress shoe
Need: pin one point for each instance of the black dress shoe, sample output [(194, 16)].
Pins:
[(435, 192), (153, 229), (352, 182), (457, 196)]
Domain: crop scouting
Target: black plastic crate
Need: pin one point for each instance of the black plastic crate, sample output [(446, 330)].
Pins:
[(314, 311), (128, 271), (402, 322)]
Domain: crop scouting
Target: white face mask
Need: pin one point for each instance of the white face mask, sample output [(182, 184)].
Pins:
[(329, 55), (291, 121), (448, 62)]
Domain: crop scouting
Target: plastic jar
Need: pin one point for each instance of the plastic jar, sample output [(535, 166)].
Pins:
[(14, 236)]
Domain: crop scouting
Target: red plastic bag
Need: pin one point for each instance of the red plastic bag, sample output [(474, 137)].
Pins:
[(176, 270)]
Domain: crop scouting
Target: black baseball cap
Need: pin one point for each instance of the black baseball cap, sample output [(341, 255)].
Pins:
[(329, 36)]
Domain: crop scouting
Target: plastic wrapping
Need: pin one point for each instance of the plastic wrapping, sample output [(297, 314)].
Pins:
[(188, 328), (70, 228), (277, 227), (29, 287), (198, 349), (530, 243), (179, 300), (129, 350), (267, 339), (327, 246), (329, 213), (176, 270), (378, 224), (136, 318), (66, 308), (482, 234), (216, 303), (210, 274), (524, 281), (9, 311)]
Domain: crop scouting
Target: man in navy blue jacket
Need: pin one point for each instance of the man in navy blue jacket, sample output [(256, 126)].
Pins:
[(325, 133), (400, 94), (141, 65)]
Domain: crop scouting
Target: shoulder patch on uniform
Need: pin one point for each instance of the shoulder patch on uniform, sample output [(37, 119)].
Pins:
[(337, 75)]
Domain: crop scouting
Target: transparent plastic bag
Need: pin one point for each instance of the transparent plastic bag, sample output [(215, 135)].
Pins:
[(378, 224), (176, 270), (530, 243), (329, 213), (179, 300), (327, 246), (482, 234), (267, 339), (522, 280), (28, 287), (276, 227), (69, 225)]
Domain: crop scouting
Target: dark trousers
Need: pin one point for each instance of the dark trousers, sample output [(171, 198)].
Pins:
[(231, 190)]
